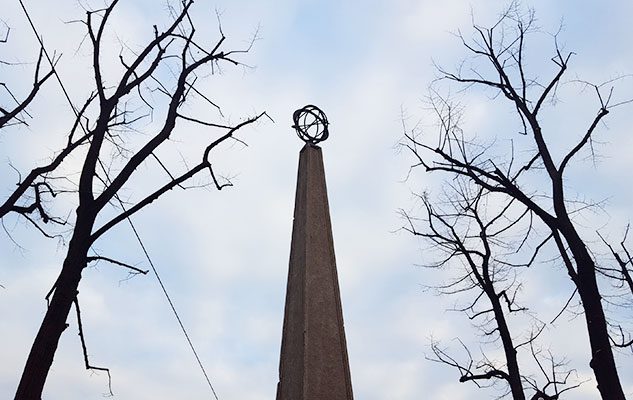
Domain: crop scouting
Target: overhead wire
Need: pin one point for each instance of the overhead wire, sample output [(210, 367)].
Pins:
[(136, 234)]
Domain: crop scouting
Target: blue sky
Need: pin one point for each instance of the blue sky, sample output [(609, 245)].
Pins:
[(224, 255)]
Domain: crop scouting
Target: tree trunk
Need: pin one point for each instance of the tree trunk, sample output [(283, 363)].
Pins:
[(43, 350), (514, 375), (602, 360)]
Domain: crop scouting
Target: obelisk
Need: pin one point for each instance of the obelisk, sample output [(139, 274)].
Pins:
[(313, 363)]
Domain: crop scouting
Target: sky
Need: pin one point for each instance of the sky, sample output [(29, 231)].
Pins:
[(224, 255)]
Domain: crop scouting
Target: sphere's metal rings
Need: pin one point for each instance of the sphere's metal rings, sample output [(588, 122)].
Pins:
[(311, 124)]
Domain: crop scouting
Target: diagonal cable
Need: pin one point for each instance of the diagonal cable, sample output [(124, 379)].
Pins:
[(171, 304)]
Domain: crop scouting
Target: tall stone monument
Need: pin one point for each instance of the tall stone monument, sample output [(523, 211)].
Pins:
[(313, 363)]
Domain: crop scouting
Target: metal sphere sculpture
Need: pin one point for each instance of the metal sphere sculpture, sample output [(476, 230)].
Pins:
[(311, 124)]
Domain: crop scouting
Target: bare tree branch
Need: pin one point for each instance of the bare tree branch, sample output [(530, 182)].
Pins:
[(84, 349)]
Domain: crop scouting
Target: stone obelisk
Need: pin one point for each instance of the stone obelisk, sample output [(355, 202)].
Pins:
[(313, 363)]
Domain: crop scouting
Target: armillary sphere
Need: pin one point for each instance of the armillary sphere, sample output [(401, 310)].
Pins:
[(311, 124)]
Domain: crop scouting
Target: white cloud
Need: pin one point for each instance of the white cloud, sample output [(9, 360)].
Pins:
[(224, 255)]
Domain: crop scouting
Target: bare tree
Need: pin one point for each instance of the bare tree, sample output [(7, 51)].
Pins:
[(169, 66), (475, 238), (498, 54)]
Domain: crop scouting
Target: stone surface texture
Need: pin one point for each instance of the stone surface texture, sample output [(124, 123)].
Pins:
[(313, 363)]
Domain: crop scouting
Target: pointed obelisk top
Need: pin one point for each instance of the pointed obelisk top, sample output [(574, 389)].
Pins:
[(313, 363)]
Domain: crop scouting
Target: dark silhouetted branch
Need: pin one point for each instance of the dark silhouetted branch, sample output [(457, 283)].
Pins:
[(85, 349)]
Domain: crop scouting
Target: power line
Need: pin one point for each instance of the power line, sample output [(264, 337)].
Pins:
[(50, 61), (136, 234), (171, 304)]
